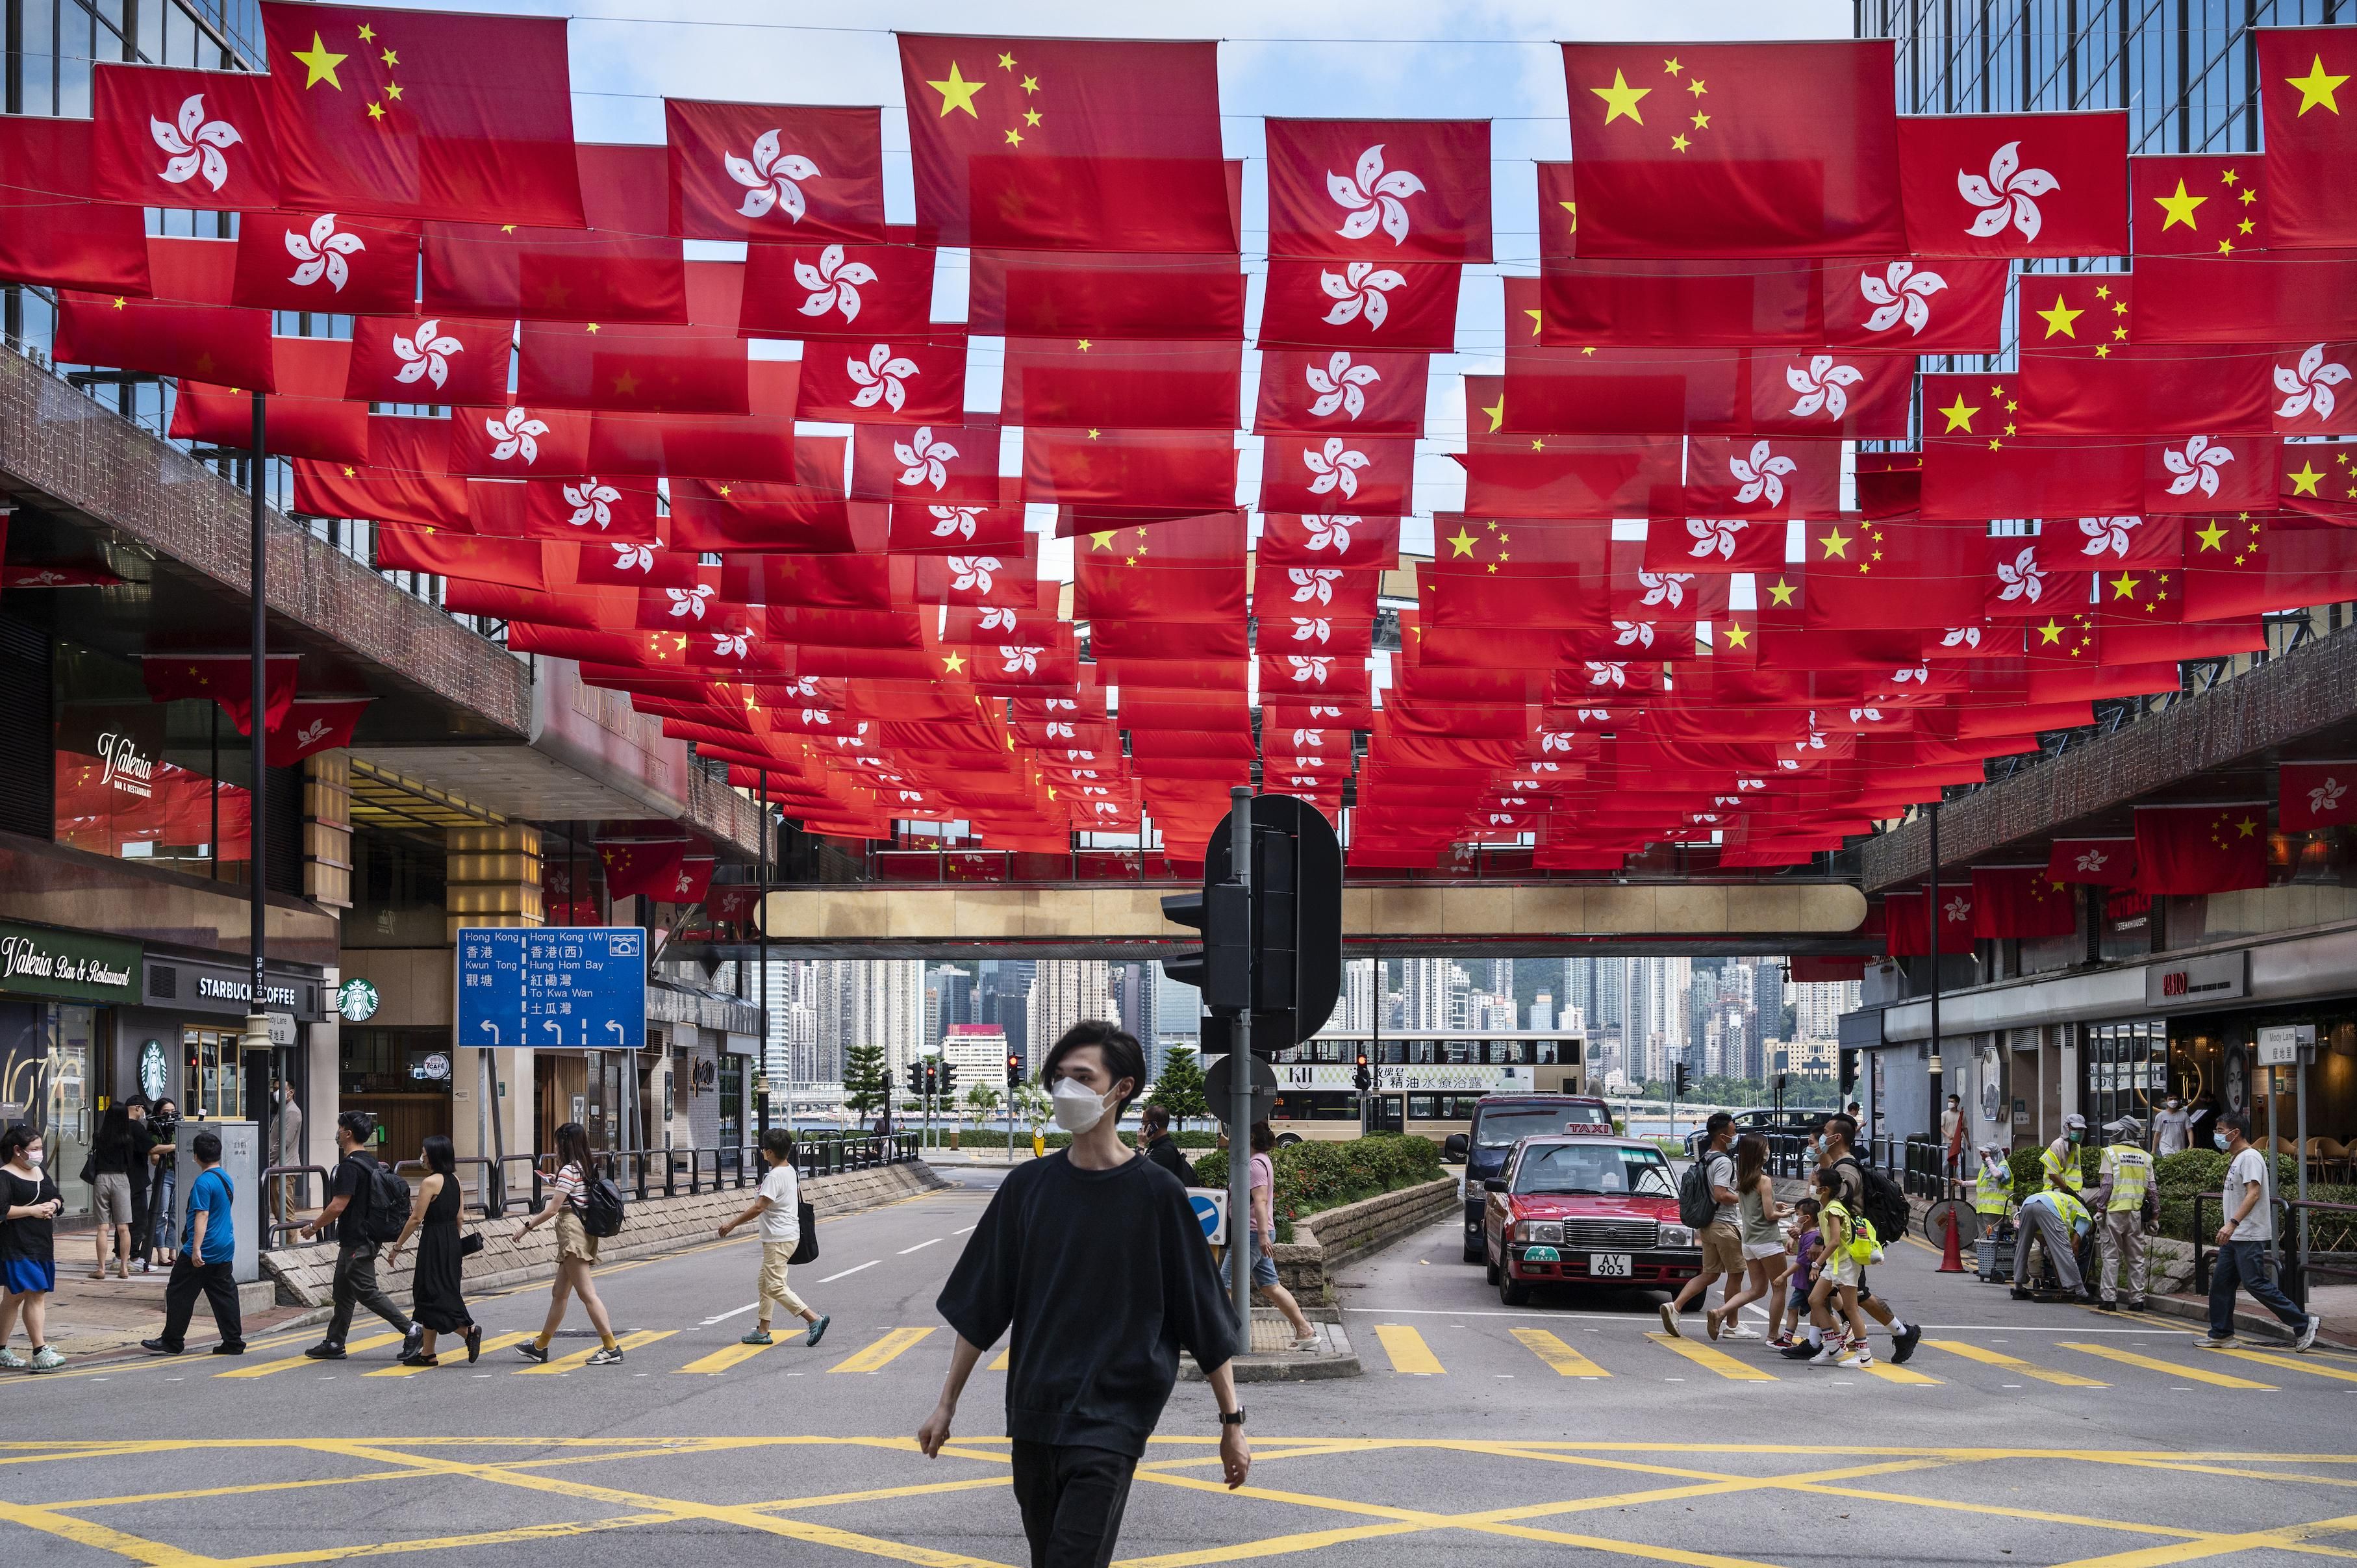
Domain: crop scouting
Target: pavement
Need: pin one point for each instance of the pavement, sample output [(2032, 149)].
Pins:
[(2042, 1433)]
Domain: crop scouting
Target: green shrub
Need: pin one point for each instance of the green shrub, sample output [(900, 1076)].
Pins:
[(1313, 1176)]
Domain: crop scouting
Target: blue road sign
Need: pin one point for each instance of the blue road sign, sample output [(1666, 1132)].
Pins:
[(1211, 1212), (575, 986)]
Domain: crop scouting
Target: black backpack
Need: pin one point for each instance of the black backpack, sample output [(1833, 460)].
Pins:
[(1696, 1208), (601, 1206), (388, 1204), (1884, 1202)]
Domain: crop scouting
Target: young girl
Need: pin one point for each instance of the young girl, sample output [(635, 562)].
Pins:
[(1833, 1300), (1763, 1244), (1793, 1289), (576, 1249)]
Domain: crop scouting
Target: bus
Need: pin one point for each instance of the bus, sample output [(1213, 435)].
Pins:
[(1423, 1083)]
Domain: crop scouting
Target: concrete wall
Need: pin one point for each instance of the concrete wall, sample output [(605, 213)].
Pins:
[(1325, 1242)]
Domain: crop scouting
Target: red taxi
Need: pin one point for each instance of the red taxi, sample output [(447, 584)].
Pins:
[(1586, 1212)]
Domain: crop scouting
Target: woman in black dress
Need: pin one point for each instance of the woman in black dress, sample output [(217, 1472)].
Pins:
[(438, 1299)]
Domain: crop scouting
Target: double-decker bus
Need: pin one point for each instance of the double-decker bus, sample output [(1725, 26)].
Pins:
[(1423, 1083)]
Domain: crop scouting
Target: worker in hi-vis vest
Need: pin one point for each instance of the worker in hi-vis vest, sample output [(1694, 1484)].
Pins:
[(2127, 1204), (2059, 1162), (2057, 1218)]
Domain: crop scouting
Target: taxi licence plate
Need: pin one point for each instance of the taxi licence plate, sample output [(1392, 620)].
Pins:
[(1608, 1266), (1541, 1255)]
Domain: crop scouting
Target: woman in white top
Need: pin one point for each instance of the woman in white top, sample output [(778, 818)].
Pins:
[(779, 1209), (576, 1249)]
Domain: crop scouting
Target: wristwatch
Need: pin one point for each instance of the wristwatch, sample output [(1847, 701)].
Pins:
[(1237, 1419)]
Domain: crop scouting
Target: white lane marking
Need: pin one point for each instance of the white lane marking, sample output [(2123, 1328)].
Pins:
[(968, 1230), (1634, 1318), (727, 1316), (847, 1272), (906, 1250)]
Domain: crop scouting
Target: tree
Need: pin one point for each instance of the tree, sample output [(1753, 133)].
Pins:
[(867, 1080), (982, 1101), (1179, 1090), (1031, 1106)]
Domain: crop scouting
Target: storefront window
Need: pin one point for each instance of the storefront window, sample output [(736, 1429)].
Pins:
[(2126, 1067), (138, 779), (216, 1078)]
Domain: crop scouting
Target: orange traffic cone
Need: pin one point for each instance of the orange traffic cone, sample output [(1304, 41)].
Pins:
[(1951, 1256)]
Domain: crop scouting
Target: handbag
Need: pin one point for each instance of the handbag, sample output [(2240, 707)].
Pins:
[(470, 1243), (806, 1234), (90, 1168)]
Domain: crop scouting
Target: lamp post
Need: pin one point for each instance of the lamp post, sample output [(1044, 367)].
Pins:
[(256, 1034)]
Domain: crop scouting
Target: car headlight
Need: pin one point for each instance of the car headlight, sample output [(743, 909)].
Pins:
[(1678, 1235), (1547, 1232)]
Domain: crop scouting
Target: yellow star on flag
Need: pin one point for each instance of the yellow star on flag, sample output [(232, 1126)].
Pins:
[(952, 662), (2123, 587), (1014, 137), (2050, 632), (1781, 592), (1959, 416), (2179, 207), (321, 63), (376, 111), (2059, 319), (1621, 100), (2317, 88), (1461, 541), (1496, 410), (1101, 541), (1736, 635), (1678, 143), (2210, 537), (2304, 483), (1005, 62), (1836, 543), (956, 93), (2246, 827)]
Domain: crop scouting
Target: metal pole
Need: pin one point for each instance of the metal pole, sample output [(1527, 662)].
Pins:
[(257, 1022), (761, 920), (1933, 923), (2299, 1156), (1240, 1083)]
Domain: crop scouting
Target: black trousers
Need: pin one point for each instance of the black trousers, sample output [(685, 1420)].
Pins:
[(354, 1285), (1071, 1499), (181, 1292)]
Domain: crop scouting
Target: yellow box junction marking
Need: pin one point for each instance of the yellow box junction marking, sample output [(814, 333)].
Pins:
[(450, 1352), (2030, 1369), (1408, 1351), (264, 1368), (2155, 1364), (2291, 1364), (877, 1356), (1718, 1362), (580, 1358), (1003, 1361), (1558, 1356)]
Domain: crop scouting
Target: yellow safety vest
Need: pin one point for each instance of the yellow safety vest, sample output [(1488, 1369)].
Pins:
[(2064, 1171), (2129, 1169), (2073, 1212), (1992, 1192)]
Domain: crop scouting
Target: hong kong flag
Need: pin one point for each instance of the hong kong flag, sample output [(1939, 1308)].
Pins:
[(936, 528), (1328, 539), (306, 417), (1738, 475), (51, 231), (189, 328), (1398, 190), (2021, 901), (326, 261), (1067, 143), (313, 724), (519, 442), (816, 288), (1948, 305), (773, 172), (2034, 578), (952, 464), (1734, 149), (906, 380), (1379, 392), (591, 508), (422, 113), (1370, 473), (2201, 849), (1714, 544), (2316, 795), (2016, 185), (2100, 862), (431, 359), (2307, 114), (1362, 304), (162, 136)]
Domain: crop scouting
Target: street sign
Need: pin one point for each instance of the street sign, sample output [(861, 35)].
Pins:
[(1211, 1208), (583, 987), (1220, 1090), (2279, 1046)]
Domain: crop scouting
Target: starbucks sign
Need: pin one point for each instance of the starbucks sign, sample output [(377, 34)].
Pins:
[(357, 1001), (36, 961), (155, 1071)]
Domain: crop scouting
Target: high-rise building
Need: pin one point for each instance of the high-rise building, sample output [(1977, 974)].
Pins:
[(1817, 1004), (1361, 983), (1425, 992), (1578, 989), (953, 986), (869, 1002), (1063, 992), (1543, 1011), (1611, 995)]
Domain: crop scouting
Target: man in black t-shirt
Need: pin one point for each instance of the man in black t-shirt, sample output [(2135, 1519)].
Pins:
[(1094, 1258), (349, 1192)]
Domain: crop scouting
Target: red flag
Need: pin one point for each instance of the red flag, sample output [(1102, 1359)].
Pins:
[(2323, 483), (775, 172), (1309, 391), (952, 464), (306, 417), (908, 380), (227, 679), (1181, 385), (432, 359), (519, 442), (1516, 571), (1067, 144), (2315, 795), (51, 233), (1037, 294), (624, 269), (727, 517), (2313, 383), (2207, 267), (1738, 475), (1952, 306), (2016, 185), (168, 137), (636, 866), (1714, 544), (2101, 863), (1358, 473), (313, 724), (405, 480), (1734, 149), (2201, 849), (760, 446), (326, 261), (1362, 304), (1108, 472), (1394, 189), (2080, 374), (1635, 303), (187, 329), (1296, 539), (688, 882), (421, 114), (591, 509), (1866, 575), (2308, 120), (2021, 901), (1977, 465), (1575, 476), (827, 289), (514, 562), (630, 367), (2026, 578), (2262, 566)]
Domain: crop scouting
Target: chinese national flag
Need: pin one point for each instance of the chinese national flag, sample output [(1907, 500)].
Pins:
[(2267, 565), (631, 367), (635, 866), (189, 328), (1394, 190), (2316, 795), (624, 269), (227, 679), (1110, 472), (1611, 391), (759, 445), (1575, 477), (1861, 574), (1630, 303), (2308, 118), (51, 231), (2082, 375), (1175, 385), (2021, 901), (1512, 571), (1075, 145), (443, 553), (404, 480), (421, 114), (313, 724), (2016, 185), (2099, 863), (306, 417), (707, 516), (429, 359), (1978, 465), (774, 172), (326, 261), (2319, 479), (830, 289), (2201, 849), (162, 136), (2207, 267), (1734, 149), (1038, 294)]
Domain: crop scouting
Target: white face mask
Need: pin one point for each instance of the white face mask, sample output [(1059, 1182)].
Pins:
[(1075, 1106), (36, 1158)]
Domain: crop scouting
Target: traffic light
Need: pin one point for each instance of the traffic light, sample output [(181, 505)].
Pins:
[(933, 1077), (1678, 1078), (915, 1080), (1362, 1076), (1288, 922), (1222, 912), (949, 1078), (1014, 1069)]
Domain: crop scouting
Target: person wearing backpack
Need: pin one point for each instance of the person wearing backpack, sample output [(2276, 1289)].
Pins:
[(1708, 1206), (578, 1196), (1869, 1195), (783, 1215), (1847, 1243), (368, 1205)]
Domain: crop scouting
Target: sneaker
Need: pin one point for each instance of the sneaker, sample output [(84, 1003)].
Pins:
[(2021, 1294), (1307, 1342), (1781, 1342), (1833, 1351), (604, 1356), (2107, 1304), (1670, 1320), (325, 1350), (227, 1347), (47, 1360), (759, 1337), (414, 1341), (1739, 1331), (11, 1361), (1799, 1351), (817, 1329), (2216, 1342), (530, 1350), (1859, 1358), (159, 1348), (2308, 1332), (1903, 1345)]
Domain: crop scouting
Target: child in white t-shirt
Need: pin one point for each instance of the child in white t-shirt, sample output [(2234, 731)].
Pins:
[(778, 1211)]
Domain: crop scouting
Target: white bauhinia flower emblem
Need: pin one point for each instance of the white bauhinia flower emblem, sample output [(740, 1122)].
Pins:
[(2326, 797), (1761, 476), (1904, 292), (634, 557), (1961, 637), (1632, 634), (1866, 716), (1340, 384), (997, 618), (1603, 673), (312, 733), (1024, 658), (833, 284), (1331, 532), (972, 571), (1309, 737), (1714, 536), (1665, 587), (2309, 384), (195, 143), (2109, 535), (1337, 467), (1058, 730), (1373, 197), (687, 604), (2196, 464), (1824, 386), (1957, 910), (1312, 628), (2092, 860), (925, 460), (2009, 194), (424, 354), (591, 502), (770, 177), (731, 644), (2023, 578), (1920, 674), (1590, 717), (515, 433), (1359, 289), (1310, 669), (881, 378), (1555, 740), (322, 253), (1313, 583), (819, 716), (956, 520)]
